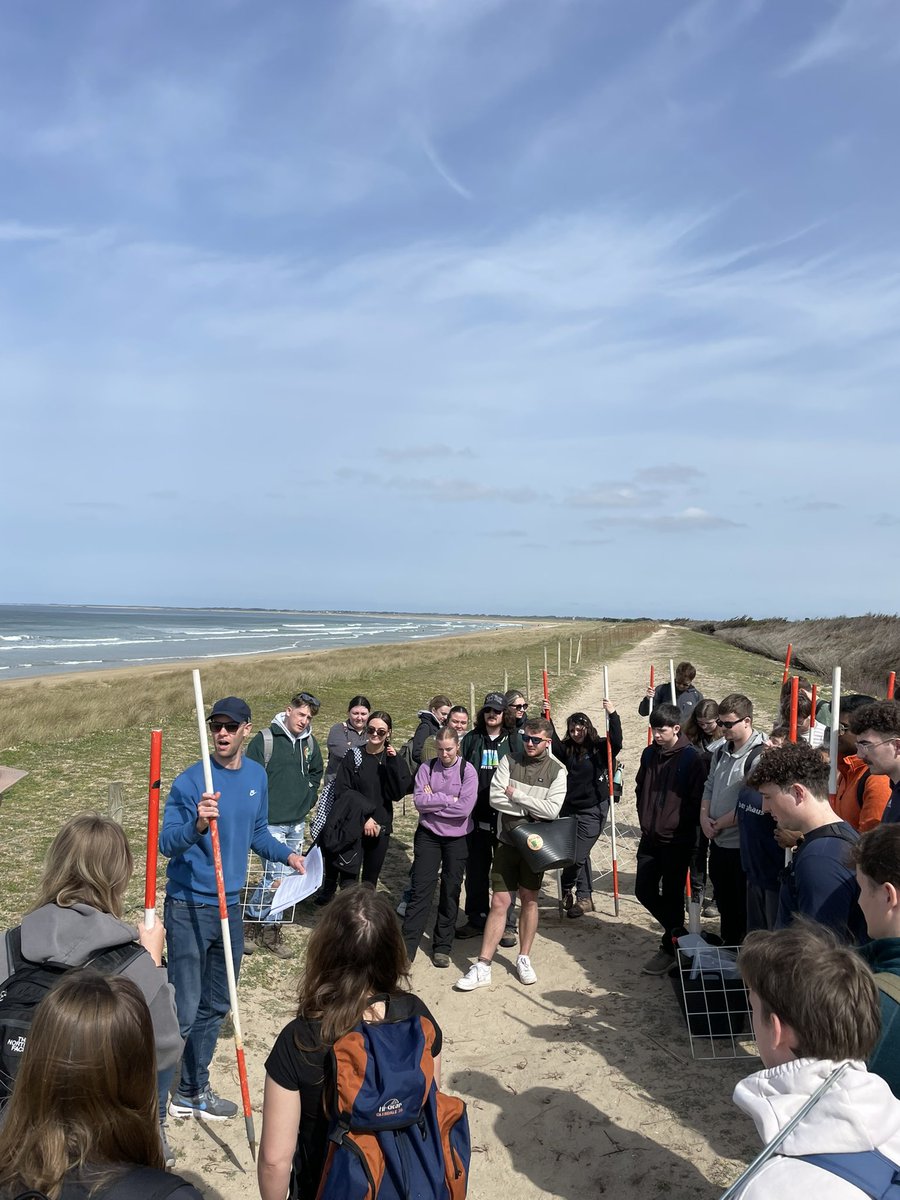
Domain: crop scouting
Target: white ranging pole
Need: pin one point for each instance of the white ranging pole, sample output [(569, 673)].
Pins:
[(612, 798), (223, 915), (672, 680), (835, 733)]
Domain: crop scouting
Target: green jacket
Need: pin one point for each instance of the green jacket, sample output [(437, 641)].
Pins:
[(883, 956), (294, 770)]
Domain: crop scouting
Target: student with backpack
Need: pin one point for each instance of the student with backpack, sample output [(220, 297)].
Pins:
[(876, 857), (815, 1012), (81, 1122), (445, 793), (290, 756), (862, 796), (76, 921), (356, 1019)]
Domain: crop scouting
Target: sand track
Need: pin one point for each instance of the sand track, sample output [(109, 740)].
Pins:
[(581, 1085)]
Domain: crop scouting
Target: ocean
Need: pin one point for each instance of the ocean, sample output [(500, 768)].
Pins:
[(52, 639)]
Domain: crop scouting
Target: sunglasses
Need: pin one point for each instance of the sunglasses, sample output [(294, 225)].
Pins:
[(730, 724), (532, 741), (376, 731), (306, 698), (521, 707), (228, 726)]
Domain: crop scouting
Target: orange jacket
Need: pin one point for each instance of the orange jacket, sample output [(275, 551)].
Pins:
[(876, 793)]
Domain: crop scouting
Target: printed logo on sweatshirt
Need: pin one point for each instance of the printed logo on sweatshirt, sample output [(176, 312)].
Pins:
[(253, 791), (490, 760)]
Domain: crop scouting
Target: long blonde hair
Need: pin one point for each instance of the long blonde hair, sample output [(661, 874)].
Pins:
[(84, 1099), (89, 862)]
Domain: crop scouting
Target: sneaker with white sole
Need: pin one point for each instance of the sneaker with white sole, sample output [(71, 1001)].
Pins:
[(206, 1106), (525, 970), (478, 975), (168, 1152)]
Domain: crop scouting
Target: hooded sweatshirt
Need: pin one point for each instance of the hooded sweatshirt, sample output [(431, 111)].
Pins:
[(74, 935), (883, 956), (445, 808), (858, 1112), (723, 786), (428, 726), (295, 771), (669, 785)]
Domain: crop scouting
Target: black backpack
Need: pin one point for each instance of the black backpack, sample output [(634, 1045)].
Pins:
[(27, 985)]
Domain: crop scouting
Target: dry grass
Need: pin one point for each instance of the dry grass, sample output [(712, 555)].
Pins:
[(76, 735), (865, 648)]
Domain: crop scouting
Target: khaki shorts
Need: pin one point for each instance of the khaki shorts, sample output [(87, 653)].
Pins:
[(509, 872)]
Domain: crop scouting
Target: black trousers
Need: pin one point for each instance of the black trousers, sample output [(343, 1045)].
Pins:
[(432, 854), (481, 843), (730, 882), (662, 869), (374, 850), (589, 826), (698, 864)]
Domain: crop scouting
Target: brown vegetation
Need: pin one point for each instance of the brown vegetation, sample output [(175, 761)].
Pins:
[(865, 648)]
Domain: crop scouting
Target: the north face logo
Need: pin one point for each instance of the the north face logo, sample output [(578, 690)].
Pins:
[(390, 1108), (16, 1045)]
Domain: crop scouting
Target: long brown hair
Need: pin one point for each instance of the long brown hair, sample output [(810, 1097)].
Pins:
[(85, 1096), (89, 862), (355, 951)]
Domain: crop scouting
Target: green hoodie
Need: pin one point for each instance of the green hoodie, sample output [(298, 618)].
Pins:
[(294, 770), (883, 956)]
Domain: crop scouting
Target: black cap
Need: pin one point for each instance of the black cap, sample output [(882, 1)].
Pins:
[(232, 707), (495, 701)]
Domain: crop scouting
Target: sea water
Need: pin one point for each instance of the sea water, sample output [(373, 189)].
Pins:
[(53, 639)]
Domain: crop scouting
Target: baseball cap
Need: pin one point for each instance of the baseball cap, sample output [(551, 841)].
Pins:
[(232, 707), (495, 701)]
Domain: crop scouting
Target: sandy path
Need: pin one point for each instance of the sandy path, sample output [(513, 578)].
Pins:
[(580, 1085)]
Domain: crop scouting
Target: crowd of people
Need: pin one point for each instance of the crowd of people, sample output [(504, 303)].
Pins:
[(805, 884)]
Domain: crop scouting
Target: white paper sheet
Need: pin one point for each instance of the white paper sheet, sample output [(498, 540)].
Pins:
[(296, 887)]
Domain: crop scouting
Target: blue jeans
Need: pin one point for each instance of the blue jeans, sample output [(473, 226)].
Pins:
[(261, 900), (196, 957)]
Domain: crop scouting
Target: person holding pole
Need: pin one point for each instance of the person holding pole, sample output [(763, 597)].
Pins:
[(687, 697), (815, 1018), (194, 928), (877, 729)]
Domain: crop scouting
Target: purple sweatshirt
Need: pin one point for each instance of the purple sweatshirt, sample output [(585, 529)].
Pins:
[(445, 809)]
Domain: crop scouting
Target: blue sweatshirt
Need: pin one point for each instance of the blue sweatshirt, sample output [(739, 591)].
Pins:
[(761, 856), (822, 885), (883, 956), (243, 824)]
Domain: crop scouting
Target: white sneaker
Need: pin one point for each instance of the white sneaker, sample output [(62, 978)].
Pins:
[(478, 975), (525, 970)]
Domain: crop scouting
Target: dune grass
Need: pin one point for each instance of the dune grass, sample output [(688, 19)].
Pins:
[(865, 648), (75, 736)]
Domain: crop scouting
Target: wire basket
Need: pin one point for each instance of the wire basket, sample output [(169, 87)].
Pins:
[(713, 999), (259, 891)]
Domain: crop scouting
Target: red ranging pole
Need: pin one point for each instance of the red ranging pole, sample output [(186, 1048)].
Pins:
[(812, 706), (612, 797), (152, 828), (787, 664), (649, 728), (795, 695), (223, 914), (892, 679)]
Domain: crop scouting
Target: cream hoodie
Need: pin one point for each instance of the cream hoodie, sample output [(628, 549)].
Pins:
[(858, 1112)]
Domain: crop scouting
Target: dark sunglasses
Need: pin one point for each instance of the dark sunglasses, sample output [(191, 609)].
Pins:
[(730, 724), (228, 726), (522, 706), (532, 741), (376, 732), (306, 698)]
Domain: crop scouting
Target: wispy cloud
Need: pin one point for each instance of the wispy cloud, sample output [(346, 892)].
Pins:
[(865, 28)]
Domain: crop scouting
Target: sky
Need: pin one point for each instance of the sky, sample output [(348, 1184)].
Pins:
[(512, 306)]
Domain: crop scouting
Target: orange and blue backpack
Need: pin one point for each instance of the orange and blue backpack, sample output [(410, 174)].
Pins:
[(392, 1134)]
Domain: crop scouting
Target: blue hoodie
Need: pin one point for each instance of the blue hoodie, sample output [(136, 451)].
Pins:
[(243, 824)]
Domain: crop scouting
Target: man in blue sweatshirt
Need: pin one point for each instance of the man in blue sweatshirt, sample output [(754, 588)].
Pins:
[(196, 949), (820, 882)]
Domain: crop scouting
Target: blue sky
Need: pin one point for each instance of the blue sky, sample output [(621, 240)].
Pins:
[(567, 306)]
